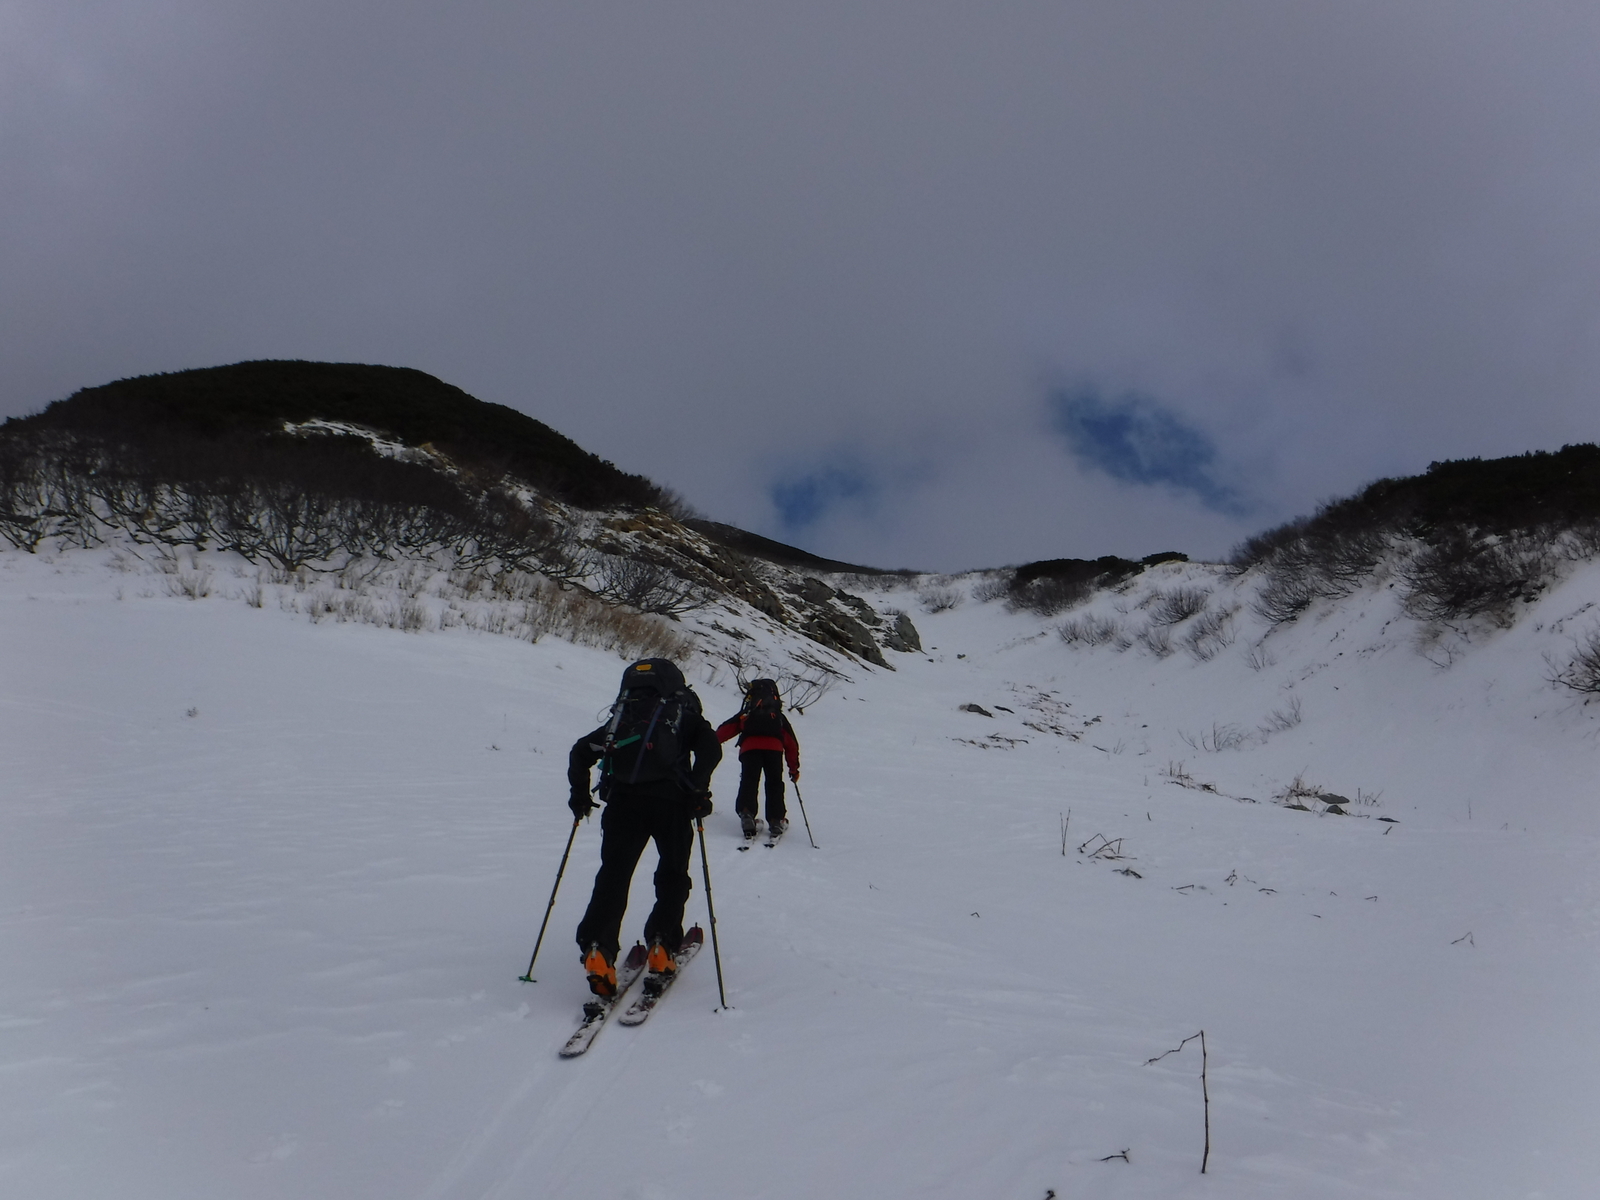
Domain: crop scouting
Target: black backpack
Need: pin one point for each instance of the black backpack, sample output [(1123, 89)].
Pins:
[(763, 710), (645, 740)]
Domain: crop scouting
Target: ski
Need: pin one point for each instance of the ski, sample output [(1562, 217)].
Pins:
[(655, 986), (774, 838), (599, 1008)]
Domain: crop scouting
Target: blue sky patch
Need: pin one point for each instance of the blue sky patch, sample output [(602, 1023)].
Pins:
[(803, 501), (1137, 439)]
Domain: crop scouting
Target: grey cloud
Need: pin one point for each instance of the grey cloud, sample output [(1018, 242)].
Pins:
[(716, 242)]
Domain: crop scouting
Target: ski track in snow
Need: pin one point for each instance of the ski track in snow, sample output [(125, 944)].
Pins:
[(271, 949)]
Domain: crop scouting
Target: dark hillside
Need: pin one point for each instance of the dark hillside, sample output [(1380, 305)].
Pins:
[(756, 546), (239, 402), (1470, 537), (1497, 496), (1053, 584)]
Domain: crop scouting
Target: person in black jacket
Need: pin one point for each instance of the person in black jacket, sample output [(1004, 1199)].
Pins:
[(657, 753)]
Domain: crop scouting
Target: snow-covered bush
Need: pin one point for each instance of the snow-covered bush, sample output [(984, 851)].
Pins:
[(1089, 630), (939, 599), (1157, 639), (1171, 608), (1461, 575), (1210, 633)]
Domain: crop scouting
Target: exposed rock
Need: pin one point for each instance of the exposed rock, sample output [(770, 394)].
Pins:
[(976, 708), (903, 636), (863, 610), (832, 628), (815, 591)]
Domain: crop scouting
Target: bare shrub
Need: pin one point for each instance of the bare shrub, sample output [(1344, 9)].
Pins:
[(1280, 720), (1211, 633), (195, 585), (1157, 639), (800, 691), (1285, 595), (1089, 630), (1048, 596), (1322, 557), (588, 621), (1298, 791), (939, 599), (991, 588), (1169, 608), (1581, 672), (1259, 657), (647, 586), (1220, 737), (321, 604), (1581, 543), (1460, 575), (409, 616)]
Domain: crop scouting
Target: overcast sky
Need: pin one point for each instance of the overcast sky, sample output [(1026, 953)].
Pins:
[(933, 284)]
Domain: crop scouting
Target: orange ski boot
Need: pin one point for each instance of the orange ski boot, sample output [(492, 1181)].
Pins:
[(602, 972), (661, 962)]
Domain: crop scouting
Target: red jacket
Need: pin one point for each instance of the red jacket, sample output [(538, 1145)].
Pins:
[(734, 727)]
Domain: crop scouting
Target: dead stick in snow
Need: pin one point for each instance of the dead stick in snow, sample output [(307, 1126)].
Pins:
[(1205, 1087)]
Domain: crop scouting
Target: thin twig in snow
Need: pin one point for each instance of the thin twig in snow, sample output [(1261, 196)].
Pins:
[(1205, 1088)]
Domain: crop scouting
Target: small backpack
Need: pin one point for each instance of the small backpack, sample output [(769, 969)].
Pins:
[(763, 710), (645, 736)]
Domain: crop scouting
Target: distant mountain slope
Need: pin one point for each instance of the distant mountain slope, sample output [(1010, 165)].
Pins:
[(306, 465), (320, 467), (783, 555), (258, 398), (1469, 538)]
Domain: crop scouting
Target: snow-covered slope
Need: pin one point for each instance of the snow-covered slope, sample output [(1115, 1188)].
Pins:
[(268, 884)]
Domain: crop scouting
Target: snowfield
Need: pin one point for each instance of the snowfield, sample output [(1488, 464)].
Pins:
[(268, 885)]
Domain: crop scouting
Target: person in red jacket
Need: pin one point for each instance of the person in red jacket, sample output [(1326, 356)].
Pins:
[(766, 741)]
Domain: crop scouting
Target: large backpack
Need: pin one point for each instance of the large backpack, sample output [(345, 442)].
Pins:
[(763, 710), (645, 740)]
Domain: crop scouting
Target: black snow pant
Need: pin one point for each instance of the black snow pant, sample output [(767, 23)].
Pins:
[(629, 821), (752, 764)]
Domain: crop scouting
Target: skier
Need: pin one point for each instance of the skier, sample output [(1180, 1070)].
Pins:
[(766, 740), (657, 752)]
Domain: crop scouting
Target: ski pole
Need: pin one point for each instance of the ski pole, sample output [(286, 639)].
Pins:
[(705, 868), (548, 908), (803, 816)]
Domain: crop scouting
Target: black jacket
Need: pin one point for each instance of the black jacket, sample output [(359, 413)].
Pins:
[(702, 752)]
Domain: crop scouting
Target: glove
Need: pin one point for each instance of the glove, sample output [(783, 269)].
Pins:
[(699, 805), (794, 775), (581, 804)]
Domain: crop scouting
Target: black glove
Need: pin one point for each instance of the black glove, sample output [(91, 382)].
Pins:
[(581, 804), (699, 805)]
